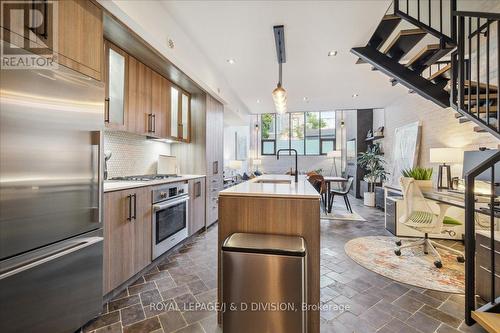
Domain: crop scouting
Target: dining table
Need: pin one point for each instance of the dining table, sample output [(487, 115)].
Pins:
[(329, 180)]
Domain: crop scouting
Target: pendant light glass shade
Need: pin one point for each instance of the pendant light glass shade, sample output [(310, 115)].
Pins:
[(279, 98)]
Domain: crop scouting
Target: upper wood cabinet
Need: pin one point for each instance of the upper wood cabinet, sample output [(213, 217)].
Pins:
[(79, 32), (80, 36), (180, 116), (115, 75), (160, 106)]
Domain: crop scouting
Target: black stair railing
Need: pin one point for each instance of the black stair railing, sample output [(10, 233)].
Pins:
[(491, 209), (472, 91), (431, 16)]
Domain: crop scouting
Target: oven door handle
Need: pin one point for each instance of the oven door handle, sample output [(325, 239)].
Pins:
[(160, 206)]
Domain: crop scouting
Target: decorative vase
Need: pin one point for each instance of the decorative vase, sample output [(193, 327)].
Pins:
[(424, 184), (369, 199)]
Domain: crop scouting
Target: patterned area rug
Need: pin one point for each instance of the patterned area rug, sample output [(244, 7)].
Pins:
[(413, 267)]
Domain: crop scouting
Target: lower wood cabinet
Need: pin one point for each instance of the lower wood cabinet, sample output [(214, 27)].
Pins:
[(127, 235), (196, 205)]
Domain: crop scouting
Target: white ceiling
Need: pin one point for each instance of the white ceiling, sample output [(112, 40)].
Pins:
[(242, 30)]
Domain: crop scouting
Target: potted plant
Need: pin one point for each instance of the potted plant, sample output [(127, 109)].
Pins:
[(373, 163), (422, 176)]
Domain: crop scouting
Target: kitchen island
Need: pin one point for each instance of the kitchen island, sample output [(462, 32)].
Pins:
[(275, 204)]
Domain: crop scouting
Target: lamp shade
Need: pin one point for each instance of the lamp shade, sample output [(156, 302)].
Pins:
[(235, 164), (446, 155), (257, 162), (334, 154), (279, 98)]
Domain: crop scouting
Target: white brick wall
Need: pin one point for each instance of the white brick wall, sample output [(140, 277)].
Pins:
[(439, 129)]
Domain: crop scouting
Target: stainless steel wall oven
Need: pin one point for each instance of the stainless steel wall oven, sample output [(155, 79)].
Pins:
[(170, 216)]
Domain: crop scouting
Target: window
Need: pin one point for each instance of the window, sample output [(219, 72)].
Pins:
[(268, 134), (327, 136), (297, 132), (310, 133)]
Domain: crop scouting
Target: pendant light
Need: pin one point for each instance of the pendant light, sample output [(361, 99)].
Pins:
[(279, 93)]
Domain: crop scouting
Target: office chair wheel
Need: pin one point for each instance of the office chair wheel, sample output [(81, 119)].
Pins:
[(397, 252), (438, 264), (460, 259), (398, 242)]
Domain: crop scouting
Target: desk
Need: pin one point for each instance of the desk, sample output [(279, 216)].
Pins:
[(456, 201), (329, 180)]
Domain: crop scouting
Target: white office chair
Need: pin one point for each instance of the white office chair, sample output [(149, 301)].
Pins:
[(419, 216)]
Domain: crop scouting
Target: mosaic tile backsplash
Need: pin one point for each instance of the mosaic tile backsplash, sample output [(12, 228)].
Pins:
[(132, 154)]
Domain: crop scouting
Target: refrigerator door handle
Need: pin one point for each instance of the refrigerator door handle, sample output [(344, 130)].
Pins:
[(97, 168), (86, 242)]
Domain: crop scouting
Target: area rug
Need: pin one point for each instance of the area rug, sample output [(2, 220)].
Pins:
[(340, 214), (413, 267)]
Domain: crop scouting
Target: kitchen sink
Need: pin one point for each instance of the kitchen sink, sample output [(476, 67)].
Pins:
[(273, 181)]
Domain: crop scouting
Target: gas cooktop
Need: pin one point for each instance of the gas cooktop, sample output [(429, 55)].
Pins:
[(144, 177)]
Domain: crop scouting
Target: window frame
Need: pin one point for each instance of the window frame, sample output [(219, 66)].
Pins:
[(288, 114)]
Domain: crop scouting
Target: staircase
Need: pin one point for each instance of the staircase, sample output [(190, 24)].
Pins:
[(453, 59), (433, 51)]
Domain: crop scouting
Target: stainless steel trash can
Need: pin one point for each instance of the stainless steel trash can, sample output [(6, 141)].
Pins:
[(264, 284)]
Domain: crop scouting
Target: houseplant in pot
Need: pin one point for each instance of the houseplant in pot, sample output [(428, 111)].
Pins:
[(422, 176), (373, 163)]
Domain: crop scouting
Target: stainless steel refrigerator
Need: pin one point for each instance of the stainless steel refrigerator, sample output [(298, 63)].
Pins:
[(50, 200)]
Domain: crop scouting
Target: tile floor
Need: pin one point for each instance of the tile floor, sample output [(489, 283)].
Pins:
[(376, 304)]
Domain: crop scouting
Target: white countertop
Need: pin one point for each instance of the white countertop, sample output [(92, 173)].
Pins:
[(117, 185), (253, 188)]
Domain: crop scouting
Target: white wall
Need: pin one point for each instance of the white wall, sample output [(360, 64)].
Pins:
[(229, 145), (439, 129)]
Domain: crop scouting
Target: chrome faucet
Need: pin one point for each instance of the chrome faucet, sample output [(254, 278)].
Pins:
[(290, 150)]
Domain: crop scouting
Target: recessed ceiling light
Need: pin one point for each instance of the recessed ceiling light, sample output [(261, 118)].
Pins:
[(332, 53), (258, 101), (230, 61), (354, 95), (171, 43), (306, 99)]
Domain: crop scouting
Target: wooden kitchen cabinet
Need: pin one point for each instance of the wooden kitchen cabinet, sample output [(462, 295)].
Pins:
[(115, 76), (80, 36), (127, 235), (79, 33), (196, 205), (160, 106), (180, 115)]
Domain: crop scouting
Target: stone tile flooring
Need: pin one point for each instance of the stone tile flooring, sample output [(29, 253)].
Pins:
[(376, 304)]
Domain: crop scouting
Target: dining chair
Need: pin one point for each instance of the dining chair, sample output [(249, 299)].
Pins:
[(342, 192), (318, 182)]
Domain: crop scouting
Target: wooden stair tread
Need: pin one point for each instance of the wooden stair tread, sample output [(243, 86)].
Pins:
[(482, 85), (440, 72), (383, 31), (403, 43), (482, 109), (427, 48), (428, 56), (482, 97), (489, 321)]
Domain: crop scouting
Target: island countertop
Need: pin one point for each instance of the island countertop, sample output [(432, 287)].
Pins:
[(274, 186)]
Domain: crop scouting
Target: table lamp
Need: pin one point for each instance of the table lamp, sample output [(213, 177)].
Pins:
[(257, 162), (333, 155), (445, 156)]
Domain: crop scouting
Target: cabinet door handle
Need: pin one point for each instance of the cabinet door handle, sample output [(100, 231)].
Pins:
[(129, 197), (150, 122), (153, 122), (106, 110), (135, 206), (197, 189)]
